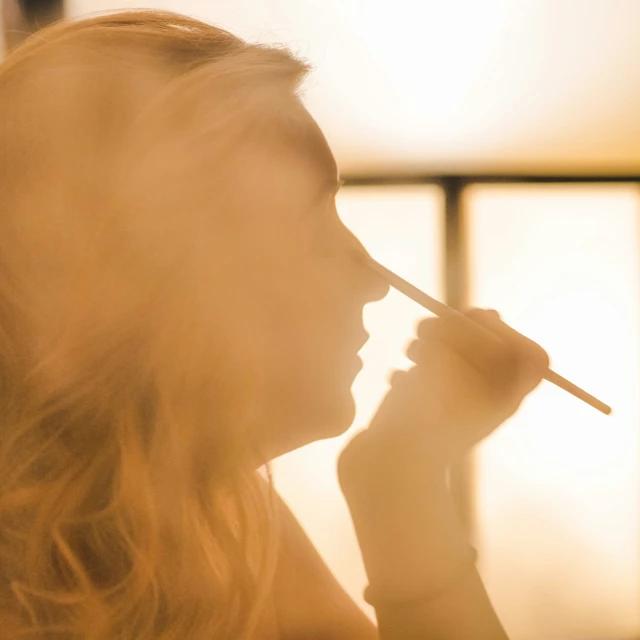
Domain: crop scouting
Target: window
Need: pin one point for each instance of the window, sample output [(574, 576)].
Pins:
[(558, 486)]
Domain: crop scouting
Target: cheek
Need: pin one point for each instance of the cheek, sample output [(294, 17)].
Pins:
[(296, 332), (310, 387)]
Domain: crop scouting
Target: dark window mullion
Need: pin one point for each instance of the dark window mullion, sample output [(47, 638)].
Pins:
[(456, 292)]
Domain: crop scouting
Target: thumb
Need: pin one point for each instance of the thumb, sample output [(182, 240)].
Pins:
[(533, 360)]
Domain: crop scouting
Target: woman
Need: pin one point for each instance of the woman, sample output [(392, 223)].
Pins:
[(179, 304)]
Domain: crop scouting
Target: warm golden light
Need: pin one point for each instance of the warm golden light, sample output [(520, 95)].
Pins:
[(559, 484), (454, 87), (401, 227)]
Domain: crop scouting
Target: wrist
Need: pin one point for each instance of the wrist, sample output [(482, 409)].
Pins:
[(405, 520), (374, 471), (380, 596)]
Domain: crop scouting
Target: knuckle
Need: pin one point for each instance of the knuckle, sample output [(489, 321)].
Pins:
[(474, 313), (535, 359), (481, 315), (531, 377), (413, 351), (396, 376), (533, 370), (540, 357), (427, 327), (423, 350)]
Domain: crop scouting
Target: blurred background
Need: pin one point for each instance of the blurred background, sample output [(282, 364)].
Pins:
[(491, 151)]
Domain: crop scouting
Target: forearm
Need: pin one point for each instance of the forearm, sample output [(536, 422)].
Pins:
[(418, 563), (463, 612)]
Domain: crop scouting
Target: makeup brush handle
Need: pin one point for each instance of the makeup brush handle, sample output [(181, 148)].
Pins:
[(576, 391), (442, 310)]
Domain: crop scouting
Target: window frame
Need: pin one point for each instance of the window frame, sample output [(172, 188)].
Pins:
[(456, 274)]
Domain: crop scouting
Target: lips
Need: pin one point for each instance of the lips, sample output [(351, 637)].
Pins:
[(364, 340)]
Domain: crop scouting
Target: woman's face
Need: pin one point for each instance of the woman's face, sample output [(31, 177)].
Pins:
[(297, 292)]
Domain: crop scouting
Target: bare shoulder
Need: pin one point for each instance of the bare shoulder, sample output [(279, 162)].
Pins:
[(310, 602)]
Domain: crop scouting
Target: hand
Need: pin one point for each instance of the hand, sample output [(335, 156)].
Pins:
[(465, 383)]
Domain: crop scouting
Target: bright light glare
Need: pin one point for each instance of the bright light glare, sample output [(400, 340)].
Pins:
[(559, 484), (401, 227)]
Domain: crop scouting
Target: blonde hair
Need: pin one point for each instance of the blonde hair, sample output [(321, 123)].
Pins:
[(124, 513)]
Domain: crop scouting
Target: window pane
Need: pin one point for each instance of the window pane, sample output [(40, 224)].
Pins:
[(558, 486), (401, 227)]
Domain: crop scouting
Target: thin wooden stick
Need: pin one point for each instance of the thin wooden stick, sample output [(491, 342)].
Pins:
[(440, 309)]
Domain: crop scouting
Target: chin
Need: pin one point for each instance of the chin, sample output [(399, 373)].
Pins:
[(315, 418), (335, 421)]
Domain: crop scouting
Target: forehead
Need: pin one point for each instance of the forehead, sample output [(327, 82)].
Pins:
[(284, 170), (300, 135), (315, 144), (280, 176)]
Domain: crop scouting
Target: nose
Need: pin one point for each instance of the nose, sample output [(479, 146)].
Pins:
[(375, 286)]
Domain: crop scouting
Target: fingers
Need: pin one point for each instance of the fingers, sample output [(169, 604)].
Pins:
[(526, 347), (504, 357), (533, 360), (486, 352)]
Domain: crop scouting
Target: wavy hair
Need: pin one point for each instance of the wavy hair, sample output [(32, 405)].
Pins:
[(129, 507)]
